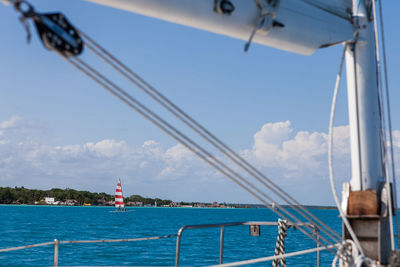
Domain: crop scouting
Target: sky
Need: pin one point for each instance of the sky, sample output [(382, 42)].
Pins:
[(59, 129)]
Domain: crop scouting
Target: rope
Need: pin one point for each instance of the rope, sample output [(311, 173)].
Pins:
[(378, 60), (355, 259), (385, 71), (330, 150), (270, 258), (280, 244), (28, 246), (349, 249)]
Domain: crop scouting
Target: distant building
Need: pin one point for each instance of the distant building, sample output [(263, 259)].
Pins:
[(71, 202), (49, 200)]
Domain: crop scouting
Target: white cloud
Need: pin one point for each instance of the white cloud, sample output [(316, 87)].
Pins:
[(292, 159), (178, 153), (107, 148), (396, 139), (268, 142), (277, 147), (181, 162), (12, 122)]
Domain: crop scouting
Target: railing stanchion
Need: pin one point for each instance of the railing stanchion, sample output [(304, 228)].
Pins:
[(221, 245), (56, 242), (318, 251), (178, 245)]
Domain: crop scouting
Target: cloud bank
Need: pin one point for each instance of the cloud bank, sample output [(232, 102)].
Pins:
[(297, 161)]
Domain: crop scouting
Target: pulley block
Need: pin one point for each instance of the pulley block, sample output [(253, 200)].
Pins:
[(58, 34)]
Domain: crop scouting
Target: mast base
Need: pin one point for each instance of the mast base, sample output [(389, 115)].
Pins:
[(372, 232), (369, 217)]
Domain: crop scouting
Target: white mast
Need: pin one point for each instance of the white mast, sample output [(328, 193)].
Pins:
[(363, 101), (368, 216)]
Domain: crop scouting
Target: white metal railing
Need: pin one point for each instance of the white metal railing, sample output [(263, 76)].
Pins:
[(271, 258), (56, 243), (222, 233)]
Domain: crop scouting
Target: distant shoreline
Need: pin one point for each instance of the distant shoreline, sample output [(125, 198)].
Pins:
[(72, 197), (245, 206)]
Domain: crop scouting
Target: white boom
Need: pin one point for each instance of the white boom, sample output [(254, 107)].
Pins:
[(301, 26)]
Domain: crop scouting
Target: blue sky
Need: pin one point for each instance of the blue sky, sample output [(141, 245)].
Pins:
[(60, 129)]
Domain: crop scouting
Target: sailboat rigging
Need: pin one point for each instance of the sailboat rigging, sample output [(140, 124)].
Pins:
[(297, 26)]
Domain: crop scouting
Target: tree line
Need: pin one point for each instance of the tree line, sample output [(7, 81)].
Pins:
[(21, 195)]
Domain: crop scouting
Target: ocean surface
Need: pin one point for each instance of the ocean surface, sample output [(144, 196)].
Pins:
[(25, 225)]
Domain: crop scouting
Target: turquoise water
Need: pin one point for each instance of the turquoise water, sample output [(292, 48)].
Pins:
[(24, 225)]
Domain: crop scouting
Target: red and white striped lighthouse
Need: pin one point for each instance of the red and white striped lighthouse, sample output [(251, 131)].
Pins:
[(119, 199)]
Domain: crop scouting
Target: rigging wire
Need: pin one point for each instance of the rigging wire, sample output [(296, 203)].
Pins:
[(330, 150), (385, 71), (177, 135), (199, 129), (378, 60)]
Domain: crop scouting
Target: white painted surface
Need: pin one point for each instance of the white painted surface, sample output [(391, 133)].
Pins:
[(49, 200), (364, 117), (307, 27)]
